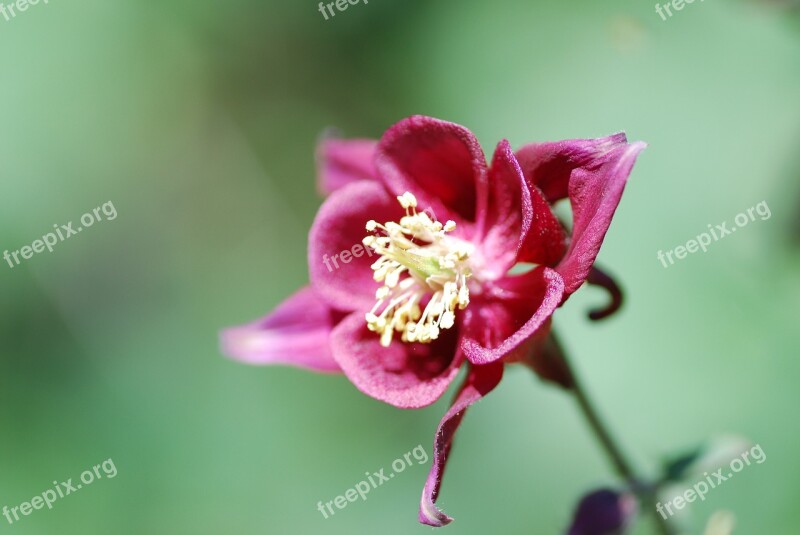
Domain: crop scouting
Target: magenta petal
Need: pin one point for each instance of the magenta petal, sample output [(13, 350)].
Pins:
[(593, 174), (408, 376), (521, 226), (546, 241), (441, 163), (497, 323), (296, 333), (509, 212), (338, 263), (342, 161), (480, 381), (594, 195), (548, 166)]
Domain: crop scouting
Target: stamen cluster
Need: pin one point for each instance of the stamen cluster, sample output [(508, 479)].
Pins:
[(416, 259)]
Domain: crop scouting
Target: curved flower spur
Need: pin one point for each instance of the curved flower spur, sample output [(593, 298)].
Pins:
[(435, 293)]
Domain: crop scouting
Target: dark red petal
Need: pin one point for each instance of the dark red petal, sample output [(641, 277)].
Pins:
[(508, 214), (336, 236), (480, 381), (546, 241), (296, 333), (509, 314), (441, 163), (548, 166), (408, 376), (594, 195), (342, 161), (520, 226), (593, 173)]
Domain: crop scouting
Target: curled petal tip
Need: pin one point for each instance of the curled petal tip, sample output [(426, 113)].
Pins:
[(480, 381), (430, 515), (599, 278)]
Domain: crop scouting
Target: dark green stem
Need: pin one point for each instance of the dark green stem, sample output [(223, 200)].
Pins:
[(618, 460)]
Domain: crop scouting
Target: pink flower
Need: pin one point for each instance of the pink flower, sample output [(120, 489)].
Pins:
[(425, 296)]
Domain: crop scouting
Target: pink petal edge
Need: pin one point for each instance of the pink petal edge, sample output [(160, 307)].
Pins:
[(342, 161), (296, 333), (442, 164), (520, 306), (407, 376)]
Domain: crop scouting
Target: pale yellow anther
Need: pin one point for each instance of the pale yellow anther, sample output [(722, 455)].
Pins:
[(392, 227), (448, 320), (407, 200), (433, 332), (386, 336), (394, 277), (375, 323), (463, 297)]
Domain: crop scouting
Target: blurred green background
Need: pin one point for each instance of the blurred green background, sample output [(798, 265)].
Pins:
[(199, 121)]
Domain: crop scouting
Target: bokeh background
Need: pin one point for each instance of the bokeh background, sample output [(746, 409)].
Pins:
[(199, 120)]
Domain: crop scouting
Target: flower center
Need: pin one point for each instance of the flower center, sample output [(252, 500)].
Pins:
[(416, 259)]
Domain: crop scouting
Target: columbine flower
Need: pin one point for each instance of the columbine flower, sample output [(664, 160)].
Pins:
[(430, 289)]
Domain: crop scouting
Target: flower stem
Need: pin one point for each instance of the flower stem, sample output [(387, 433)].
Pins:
[(618, 460)]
